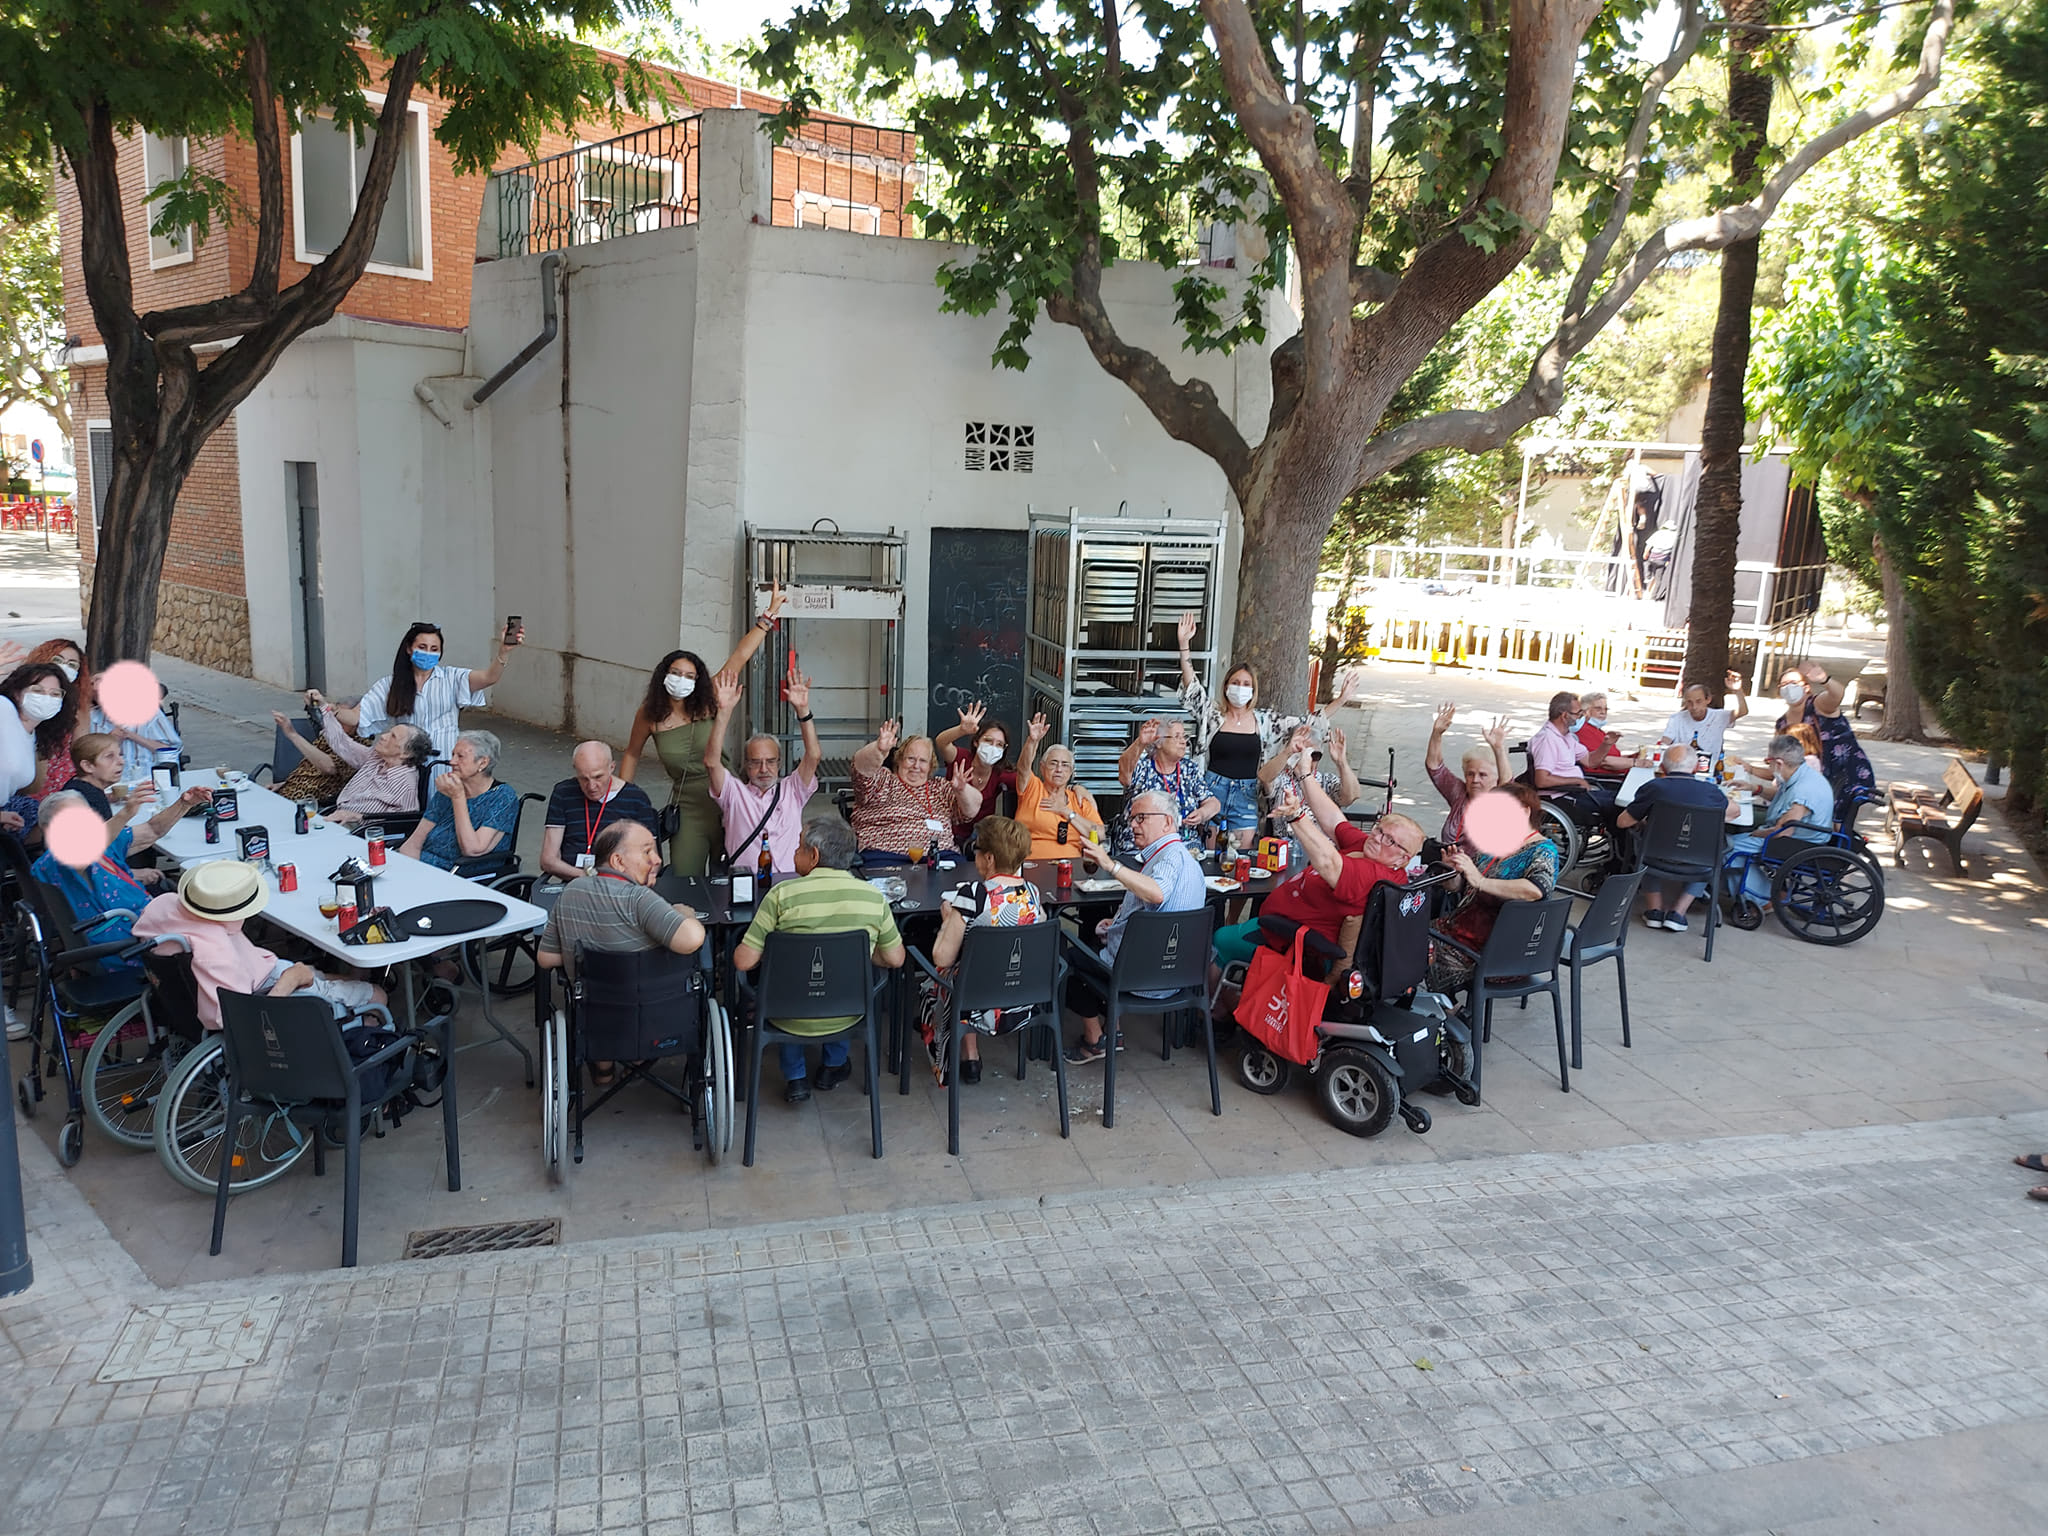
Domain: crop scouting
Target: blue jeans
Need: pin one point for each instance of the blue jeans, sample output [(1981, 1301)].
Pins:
[(1240, 799), (1756, 880), (837, 1054)]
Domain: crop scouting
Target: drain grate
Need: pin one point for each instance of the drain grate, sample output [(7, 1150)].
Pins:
[(495, 1237)]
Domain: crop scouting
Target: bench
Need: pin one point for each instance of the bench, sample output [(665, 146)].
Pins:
[(1911, 811), (1871, 688)]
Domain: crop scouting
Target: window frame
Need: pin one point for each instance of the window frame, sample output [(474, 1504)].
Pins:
[(96, 492), (180, 145), (423, 272), (674, 193)]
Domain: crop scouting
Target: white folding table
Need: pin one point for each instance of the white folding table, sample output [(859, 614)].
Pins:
[(402, 883)]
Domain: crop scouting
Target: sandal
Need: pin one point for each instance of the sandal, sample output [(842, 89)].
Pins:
[(603, 1073), (2034, 1161), (2038, 1192)]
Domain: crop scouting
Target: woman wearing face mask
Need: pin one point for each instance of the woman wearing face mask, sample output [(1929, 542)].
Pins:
[(35, 717), (986, 771), (1049, 799), (1814, 698), (67, 657), (1239, 745), (422, 691), (679, 713)]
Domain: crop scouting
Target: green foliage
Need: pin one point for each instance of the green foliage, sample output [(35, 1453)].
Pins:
[(32, 310), (508, 70)]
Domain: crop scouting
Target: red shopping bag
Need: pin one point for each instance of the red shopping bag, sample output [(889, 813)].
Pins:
[(1281, 1007)]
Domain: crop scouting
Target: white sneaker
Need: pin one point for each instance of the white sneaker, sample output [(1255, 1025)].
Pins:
[(17, 1029)]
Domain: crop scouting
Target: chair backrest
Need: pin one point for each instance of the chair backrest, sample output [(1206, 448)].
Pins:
[(1684, 840), (815, 975), (285, 1049), (1527, 938), (284, 756), (1606, 920), (53, 907), (173, 993), (1164, 951), (1007, 967), (1393, 941), (637, 1005)]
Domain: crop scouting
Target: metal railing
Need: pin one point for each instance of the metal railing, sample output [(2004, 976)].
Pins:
[(855, 177), (1457, 565), (623, 186)]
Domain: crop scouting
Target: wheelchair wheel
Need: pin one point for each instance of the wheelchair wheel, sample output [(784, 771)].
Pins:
[(1457, 1063), (190, 1125), (1357, 1093), (1261, 1071), (718, 1076), (125, 1073), (554, 1093), (1827, 896), (1563, 832), (71, 1143)]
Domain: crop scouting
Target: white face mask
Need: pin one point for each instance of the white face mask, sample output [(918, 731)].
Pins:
[(679, 686), (1792, 693), (1238, 694), (989, 753), (41, 706), (70, 672)]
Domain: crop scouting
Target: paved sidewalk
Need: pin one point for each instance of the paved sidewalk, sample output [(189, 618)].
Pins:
[(1726, 1337)]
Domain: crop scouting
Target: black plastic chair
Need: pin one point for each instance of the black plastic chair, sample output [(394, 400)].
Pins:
[(1001, 968), (1520, 959), (1161, 952), (286, 1056), (1686, 844), (284, 754), (1601, 935), (814, 976)]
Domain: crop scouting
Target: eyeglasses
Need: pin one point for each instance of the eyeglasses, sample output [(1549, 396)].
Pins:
[(1138, 816), (1392, 841)]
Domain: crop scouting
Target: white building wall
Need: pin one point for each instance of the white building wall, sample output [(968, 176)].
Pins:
[(405, 502)]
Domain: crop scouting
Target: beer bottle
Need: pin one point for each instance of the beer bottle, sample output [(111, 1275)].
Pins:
[(765, 865)]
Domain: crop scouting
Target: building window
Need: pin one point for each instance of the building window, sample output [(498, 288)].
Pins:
[(998, 448), (623, 193), (164, 160), (328, 167), (99, 449), (816, 211)]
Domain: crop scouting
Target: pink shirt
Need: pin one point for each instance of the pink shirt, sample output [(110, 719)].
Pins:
[(221, 955), (1554, 752), (744, 805)]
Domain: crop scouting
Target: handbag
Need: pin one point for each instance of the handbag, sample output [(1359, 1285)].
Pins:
[(1279, 1006)]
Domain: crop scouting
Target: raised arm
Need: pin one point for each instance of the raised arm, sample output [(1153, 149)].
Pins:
[(725, 687), (757, 631), (488, 676), (970, 725), (1321, 853), (1827, 691), (1338, 751), (1034, 733), (1328, 814), (868, 761), (1297, 741), (1127, 760), (168, 817), (799, 690), (1433, 754), (1733, 683), (1496, 737), (1185, 630), (966, 798), (352, 751)]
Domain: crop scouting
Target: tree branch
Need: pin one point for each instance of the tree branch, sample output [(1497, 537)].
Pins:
[(1692, 27), (269, 170), (1479, 431)]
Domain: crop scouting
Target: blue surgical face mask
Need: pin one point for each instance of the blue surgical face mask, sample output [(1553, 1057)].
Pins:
[(426, 661), (1578, 722)]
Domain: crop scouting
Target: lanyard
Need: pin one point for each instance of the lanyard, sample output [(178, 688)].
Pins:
[(119, 873), (1172, 784), (590, 830)]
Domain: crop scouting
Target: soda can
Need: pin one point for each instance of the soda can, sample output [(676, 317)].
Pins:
[(287, 877), (345, 919), (1065, 878), (1243, 868), (375, 837)]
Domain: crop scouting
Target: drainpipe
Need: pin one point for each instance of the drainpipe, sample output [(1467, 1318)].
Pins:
[(550, 264), (423, 391)]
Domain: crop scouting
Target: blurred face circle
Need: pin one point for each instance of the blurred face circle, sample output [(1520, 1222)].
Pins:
[(914, 764), (106, 768), (1496, 824), (1480, 776), (464, 759), (764, 764)]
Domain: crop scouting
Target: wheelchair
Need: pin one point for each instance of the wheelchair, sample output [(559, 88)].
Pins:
[(1829, 893), (1587, 851), (635, 1008), (1384, 1038)]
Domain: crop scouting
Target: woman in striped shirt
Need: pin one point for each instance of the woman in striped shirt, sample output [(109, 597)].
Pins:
[(387, 771)]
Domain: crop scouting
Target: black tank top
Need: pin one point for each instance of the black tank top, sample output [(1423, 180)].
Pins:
[(1234, 754)]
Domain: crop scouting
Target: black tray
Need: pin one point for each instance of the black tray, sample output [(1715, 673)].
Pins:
[(449, 919)]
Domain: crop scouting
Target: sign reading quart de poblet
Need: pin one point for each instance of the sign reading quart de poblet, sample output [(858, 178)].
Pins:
[(838, 602)]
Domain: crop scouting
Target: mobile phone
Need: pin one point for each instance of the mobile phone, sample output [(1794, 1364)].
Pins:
[(511, 629)]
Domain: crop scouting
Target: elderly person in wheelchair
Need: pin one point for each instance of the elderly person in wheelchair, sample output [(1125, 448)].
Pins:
[(1802, 809)]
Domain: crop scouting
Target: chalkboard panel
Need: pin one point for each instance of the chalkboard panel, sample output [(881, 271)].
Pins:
[(977, 595)]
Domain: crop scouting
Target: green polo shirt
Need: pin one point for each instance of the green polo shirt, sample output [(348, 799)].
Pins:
[(824, 901)]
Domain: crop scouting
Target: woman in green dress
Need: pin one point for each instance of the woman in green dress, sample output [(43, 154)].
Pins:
[(679, 713)]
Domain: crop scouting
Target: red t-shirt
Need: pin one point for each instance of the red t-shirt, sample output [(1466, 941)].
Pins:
[(1311, 900), (1592, 738)]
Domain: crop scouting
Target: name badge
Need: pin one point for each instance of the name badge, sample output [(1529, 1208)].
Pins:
[(934, 824), (586, 861)]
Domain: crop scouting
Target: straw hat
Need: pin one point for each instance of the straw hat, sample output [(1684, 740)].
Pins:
[(223, 891)]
